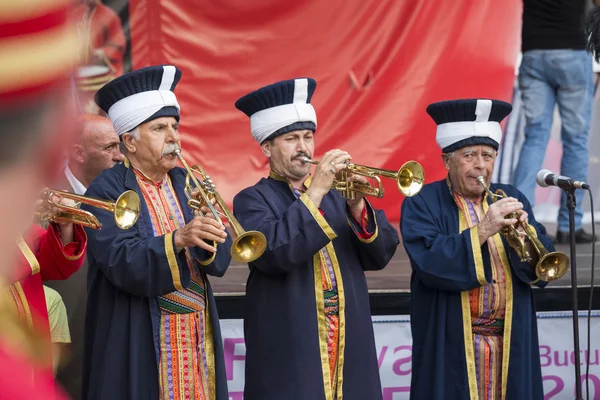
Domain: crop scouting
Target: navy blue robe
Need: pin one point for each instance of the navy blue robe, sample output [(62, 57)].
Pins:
[(446, 265), (128, 269), (284, 356)]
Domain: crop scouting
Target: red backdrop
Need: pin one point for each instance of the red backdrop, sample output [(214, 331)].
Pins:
[(377, 65)]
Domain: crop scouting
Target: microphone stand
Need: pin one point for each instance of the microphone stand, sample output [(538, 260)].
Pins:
[(571, 206)]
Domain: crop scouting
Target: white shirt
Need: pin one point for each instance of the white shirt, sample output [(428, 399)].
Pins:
[(75, 184)]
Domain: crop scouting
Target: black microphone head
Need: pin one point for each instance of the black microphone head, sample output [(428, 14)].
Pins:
[(540, 178)]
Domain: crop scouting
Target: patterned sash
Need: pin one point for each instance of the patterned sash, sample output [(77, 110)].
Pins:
[(186, 350), (488, 327), (488, 306), (166, 215)]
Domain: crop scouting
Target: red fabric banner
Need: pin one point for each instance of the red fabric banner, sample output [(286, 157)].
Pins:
[(377, 65)]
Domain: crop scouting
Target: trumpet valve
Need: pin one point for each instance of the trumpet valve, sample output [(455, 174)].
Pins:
[(194, 204)]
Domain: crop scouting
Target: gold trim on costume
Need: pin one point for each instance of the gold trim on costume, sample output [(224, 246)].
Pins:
[(276, 176), (210, 259), (73, 258), (17, 326), (13, 10), (31, 259), (342, 319), (314, 210), (172, 259), (374, 236), (508, 313), (83, 245), (19, 299), (469, 349), (328, 230), (30, 59), (322, 325), (477, 257), (467, 324)]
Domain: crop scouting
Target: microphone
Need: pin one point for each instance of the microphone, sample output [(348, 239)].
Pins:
[(546, 178)]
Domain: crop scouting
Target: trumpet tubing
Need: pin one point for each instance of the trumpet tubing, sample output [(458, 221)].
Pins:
[(125, 209), (550, 265), (409, 179), (247, 246)]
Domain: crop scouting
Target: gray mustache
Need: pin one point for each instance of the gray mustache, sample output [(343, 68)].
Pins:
[(170, 149)]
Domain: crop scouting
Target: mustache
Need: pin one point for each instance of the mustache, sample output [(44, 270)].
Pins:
[(300, 154), (170, 149)]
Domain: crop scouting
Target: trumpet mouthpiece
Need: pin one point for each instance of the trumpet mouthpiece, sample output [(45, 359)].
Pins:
[(481, 180)]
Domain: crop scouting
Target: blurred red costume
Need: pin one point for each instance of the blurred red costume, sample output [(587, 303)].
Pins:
[(43, 257), (30, 32)]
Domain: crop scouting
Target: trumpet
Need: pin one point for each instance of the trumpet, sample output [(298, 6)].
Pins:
[(550, 265), (409, 179), (125, 209), (247, 245)]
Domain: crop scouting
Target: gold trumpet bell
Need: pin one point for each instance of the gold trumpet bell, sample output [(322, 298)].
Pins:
[(248, 246), (410, 178), (127, 209), (552, 266)]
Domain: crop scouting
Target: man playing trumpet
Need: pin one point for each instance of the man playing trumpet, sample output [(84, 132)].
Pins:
[(473, 319), (152, 329), (307, 327)]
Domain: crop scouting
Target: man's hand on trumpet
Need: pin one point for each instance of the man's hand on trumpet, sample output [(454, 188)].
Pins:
[(204, 209), (47, 210), (523, 217), (495, 218), (328, 167), (201, 229), (357, 204)]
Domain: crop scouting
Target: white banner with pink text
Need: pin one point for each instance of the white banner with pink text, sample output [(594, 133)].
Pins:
[(394, 352)]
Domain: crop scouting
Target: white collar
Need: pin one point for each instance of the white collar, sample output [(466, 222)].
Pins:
[(77, 186)]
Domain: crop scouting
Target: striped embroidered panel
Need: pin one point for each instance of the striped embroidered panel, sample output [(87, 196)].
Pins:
[(166, 215), (185, 349), (488, 306)]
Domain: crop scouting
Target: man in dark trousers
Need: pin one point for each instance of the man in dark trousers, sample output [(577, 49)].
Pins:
[(556, 69)]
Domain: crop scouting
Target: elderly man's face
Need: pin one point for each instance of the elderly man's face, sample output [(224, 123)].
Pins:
[(285, 151), (466, 165), (158, 139)]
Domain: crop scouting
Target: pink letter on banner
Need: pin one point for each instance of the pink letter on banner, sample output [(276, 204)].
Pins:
[(230, 356), (388, 393)]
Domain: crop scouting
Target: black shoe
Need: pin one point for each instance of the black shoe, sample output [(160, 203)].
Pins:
[(581, 236)]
